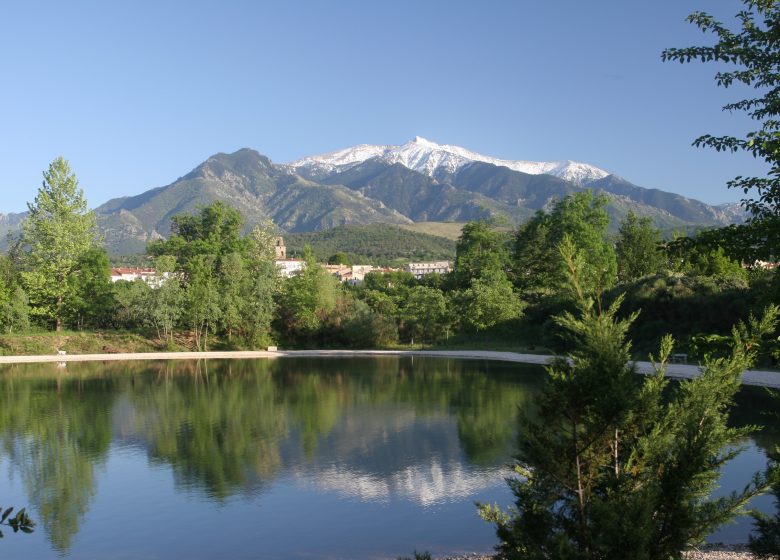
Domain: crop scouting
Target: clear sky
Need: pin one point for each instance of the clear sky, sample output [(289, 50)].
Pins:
[(137, 93)]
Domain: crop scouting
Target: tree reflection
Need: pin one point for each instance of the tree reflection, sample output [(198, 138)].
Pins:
[(230, 427), (56, 432)]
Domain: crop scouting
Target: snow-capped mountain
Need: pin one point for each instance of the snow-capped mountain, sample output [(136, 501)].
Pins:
[(435, 159)]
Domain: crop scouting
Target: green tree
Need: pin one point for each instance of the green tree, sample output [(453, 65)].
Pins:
[(748, 55), (340, 258), (307, 298), (765, 541), (581, 216), (425, 313), (58, 231), (166, 297), (90, 298), (607, 466), (489, 300), (481, 250), (133, 302), (214, 230), (261, 287), (638, 248), (201, 299), (14, 308)]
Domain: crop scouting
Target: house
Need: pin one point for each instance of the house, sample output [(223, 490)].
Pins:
[(131, 274), (289, 267), (420, 269)]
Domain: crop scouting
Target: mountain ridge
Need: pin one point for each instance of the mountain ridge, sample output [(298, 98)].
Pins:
[(418, 182)]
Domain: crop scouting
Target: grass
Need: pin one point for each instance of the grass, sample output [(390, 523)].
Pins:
[(449, 230), (78, 342)]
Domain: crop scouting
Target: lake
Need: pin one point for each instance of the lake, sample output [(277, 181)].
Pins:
[(287, 458)]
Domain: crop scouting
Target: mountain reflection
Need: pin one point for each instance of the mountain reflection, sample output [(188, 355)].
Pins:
[(387, 428)]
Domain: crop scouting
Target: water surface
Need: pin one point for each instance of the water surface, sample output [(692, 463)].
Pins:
[(292, 458)]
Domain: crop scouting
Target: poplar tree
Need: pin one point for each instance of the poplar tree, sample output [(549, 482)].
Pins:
[(58, 231)]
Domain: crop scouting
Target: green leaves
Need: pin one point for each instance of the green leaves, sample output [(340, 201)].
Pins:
[(57, 232), (612, 465), (752, 48), (19, 522)]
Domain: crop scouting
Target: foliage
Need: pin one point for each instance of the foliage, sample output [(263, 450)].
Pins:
[(167, 299), (765, 541), (379, 244), (90, 298), (340, 258), (306, 299), (583, 218), (687, 306), (638, 248), (750, 54), (481, 251), (607, 467), (425, 314), (19, 522), (58, 231), (132, 304), (489, 300), (214, 230)]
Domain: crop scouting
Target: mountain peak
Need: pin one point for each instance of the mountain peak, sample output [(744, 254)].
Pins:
[(432, 159), (420, 141)]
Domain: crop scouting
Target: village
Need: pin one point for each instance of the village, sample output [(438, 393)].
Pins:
[(289, 267)]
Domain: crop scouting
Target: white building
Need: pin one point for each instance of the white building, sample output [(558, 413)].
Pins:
[(420, 269), (131, 274), (289, 267)]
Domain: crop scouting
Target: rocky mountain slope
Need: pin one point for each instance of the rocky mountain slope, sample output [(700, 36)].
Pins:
[(419, 181)]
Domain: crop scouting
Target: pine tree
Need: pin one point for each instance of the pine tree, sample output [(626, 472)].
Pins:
[(613, 465)]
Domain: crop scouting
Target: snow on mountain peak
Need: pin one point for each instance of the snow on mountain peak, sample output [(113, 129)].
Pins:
[(431, 158)]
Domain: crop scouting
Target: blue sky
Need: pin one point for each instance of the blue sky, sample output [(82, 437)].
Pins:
[(136, 94)]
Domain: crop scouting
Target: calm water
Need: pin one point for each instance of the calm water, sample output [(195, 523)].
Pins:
[(329, 458)]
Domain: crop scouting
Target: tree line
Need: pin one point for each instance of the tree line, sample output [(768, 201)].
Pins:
[(217, 286)]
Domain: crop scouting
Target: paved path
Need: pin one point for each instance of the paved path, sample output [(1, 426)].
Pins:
[(685, 371)]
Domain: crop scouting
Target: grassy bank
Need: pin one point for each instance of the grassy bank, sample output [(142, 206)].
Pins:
[(78, 342)]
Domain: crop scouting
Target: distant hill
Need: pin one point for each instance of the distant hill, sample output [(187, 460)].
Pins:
[(420, 181), (373, 244), (448, 230)]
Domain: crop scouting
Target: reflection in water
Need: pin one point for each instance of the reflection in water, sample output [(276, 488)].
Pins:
[(385, 430), (427, 485)]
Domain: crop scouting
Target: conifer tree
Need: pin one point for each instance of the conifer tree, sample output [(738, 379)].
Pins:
[(607, 467)]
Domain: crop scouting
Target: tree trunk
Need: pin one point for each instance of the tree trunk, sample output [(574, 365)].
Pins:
[(58, 318)]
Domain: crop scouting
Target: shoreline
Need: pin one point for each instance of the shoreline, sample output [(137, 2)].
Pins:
[(760, 378), (705, 552)]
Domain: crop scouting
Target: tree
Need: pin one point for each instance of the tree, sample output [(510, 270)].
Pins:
[(166, 297), (751, 53), (581, 216), (611, 465), (90, 298), (58, 231), (638, 248), (425, 313), (488, 301), (307, 298), (261, 286), (480, 251), (201, 298), (340, 258), (765, 542), (214, 230)]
